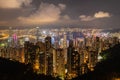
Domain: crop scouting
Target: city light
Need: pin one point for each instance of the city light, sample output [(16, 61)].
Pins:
[(60, 39), (60, 52), (100, 57), (2, 44)]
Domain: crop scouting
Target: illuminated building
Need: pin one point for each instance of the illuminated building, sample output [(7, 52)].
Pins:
[(67, 51), (48, 56), (30, 53), (81, 43), (26, 51), (54, 62), (15, 39), (83, 68), (115, 40), (83, 61), (70, 36), (75, 42), (37, 34), (41, 55), (61, 43), (60, 62), (36, 64), (10, 38), (92, 59), (76, 63), (65, 41), (73, 61), (22, 55), (97, 48)]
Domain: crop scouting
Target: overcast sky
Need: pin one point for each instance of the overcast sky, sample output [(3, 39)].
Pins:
[(90, 13)]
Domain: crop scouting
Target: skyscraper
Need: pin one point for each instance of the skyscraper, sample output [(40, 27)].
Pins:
[(48, 56)]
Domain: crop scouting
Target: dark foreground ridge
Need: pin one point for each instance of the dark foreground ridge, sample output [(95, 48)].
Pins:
[(13, 70), (108, 68)]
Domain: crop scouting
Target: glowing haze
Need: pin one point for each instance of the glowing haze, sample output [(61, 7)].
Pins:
[(60, 12)]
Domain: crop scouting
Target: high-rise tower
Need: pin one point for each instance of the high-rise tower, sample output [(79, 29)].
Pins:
[(48, 56)]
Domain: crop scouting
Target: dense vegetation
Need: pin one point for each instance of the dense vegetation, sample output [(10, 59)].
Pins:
[(13, 70), (108, 68)]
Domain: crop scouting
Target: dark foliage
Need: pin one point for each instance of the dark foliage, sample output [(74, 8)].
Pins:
[(13, 70), (108, 68)]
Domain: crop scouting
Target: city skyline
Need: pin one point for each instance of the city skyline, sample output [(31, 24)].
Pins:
[(80, 13), (65, 53)]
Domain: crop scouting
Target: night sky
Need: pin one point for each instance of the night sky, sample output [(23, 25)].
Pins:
[(87, 13)]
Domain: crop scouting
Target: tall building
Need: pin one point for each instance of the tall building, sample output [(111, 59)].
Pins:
[(30, 53), (37, 34), (65, 40), (73, 61), (83, 61), (10, 37), (48, 56), (60, 62), (92, 60), (26, 51), (41, 57)]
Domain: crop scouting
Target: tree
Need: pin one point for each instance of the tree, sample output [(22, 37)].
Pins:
[(108, 68)]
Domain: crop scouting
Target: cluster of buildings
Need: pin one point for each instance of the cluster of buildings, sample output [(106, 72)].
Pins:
[(66, 53)]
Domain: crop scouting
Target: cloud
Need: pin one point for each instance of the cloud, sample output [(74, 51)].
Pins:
[(66, 17), (14, 3), (86, 18), (45, 14), (62, 6), (97, 15), (101, 14)]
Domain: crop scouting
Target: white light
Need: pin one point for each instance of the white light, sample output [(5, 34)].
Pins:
[(100, 57), (26, 39), (44, 32), (66, 70), (37, 27)]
